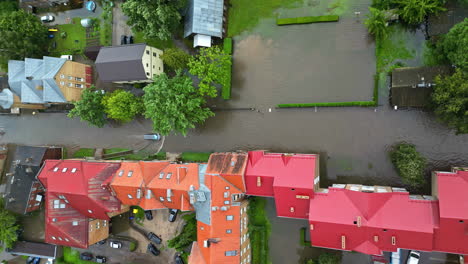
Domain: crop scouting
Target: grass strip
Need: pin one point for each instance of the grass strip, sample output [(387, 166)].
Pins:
[(306, 20), (195, 156), (227, 46), (302, 240), (83, 153), (259, 230), (337, 104)]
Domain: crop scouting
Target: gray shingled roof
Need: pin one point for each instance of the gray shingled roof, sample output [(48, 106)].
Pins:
[(204, 17), (121, 63), (202, 208), (24, 77), (33, 249)]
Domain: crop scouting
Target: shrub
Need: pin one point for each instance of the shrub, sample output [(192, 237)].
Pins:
[(409, 164), (329, 258), (187, 235), (227, 46), (337, 104), (175, 59), (133, 246), (122, 105), (306, 20)]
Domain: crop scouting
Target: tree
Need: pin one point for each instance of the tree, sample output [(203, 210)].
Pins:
[(8, 6), (329, 258), (176, 59), (376, 23), (409, 164), (455, 45), (90, 108), (174, 104), (23, 35), (154, 18), (8, 227), (122, 106), (415, 11), (450, 99), (210, 67)]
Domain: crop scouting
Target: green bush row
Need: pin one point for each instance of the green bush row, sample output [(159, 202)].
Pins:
[(305, 20), (358, 103), (227, 46), (195, 156), (226, 90)]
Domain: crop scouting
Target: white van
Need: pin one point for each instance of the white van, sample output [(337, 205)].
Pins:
[(413, 257)]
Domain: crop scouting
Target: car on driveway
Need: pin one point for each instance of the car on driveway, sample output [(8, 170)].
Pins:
[(102, 242), (149, 215), (47, 18), (115, 244), (101, 259), (153, 249), (413, 257), (86, 256), (32, 260), (154, 238), (178, 259), (173, 214), (130, 40), (123, 40)]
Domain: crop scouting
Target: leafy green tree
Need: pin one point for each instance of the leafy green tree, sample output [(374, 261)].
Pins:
[(329, 258), (174, 104), (409, 164), (376, 23), (383, 4), (176, 59), (154, 18), (8, 227), (90, 108), (187, 235), (455, 45), (8, 6), (23, 35), (414, 11), (122, 105), (210, 67), (450, 99)]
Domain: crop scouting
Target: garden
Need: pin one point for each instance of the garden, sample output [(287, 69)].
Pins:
[(259, 230)]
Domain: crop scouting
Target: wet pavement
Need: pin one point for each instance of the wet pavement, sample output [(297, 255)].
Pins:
[(65, 17), (120, 26)]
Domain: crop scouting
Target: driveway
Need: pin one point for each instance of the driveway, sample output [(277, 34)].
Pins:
[(120, 25), (65, 17)]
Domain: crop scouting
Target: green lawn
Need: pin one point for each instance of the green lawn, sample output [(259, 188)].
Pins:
[(393, 49), (83, 153), (135, 156), (259, 230), (105, 33), (71, 256), (195, 156), (154, 42), (74, 42), (245, 14)]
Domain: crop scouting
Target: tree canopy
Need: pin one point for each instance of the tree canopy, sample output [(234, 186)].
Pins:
[(450, 99), (8, 6), (409, 164), (154, 18), (173, 104), (210, 66), (175, 59), (376, 23), (23, 35), (8, 227), (122, 105), (90, 108), (415, 11), (454, 45)]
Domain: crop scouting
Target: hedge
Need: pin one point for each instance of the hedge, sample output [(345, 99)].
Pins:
[(227, 46), (305, 20), (226, 90), (358, 103), (195, 156)]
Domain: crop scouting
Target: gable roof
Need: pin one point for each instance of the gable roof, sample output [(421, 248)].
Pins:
[(204, 17), (121, 63), (34, 249), (452, 190), (229, 165)]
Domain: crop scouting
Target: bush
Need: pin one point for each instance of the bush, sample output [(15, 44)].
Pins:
[(337, 104), (329, 258), (409, 164), (227, 46), (187, 235), (133, 246), (306, 20), (175, 59), (195, 156)]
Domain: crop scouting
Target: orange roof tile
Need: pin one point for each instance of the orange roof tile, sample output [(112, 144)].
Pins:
[(229, 165), (196, 256), (128, 183)]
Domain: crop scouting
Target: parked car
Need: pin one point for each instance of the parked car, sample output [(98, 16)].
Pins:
[(148, 215), (32, 260), (102, 242), (413, 257), (153, 249), (123, 40), (130, 40), (154, 136), (68, 57), (154, 238), (101, 259), (115, 244), (173, 214), (86, 256), (47, 18), (178, 259)]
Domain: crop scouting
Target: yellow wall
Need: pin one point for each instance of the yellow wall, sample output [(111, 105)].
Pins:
[(98, 230), (71, 70), (152, 61)]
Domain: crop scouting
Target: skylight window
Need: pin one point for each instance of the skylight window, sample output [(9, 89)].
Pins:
[(138, 194), (121, 172), (73, 170), (161, 199), (161, 175), (90, 211), (168, 176), (130, 173), (129, 196), (64, 170), (229, 217), (56, 169), (148, 194), (74, 223), (230, 253)]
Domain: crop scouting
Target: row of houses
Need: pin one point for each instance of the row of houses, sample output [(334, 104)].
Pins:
[(82, 196)]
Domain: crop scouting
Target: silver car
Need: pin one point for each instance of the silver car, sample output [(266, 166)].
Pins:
[(47, 18)]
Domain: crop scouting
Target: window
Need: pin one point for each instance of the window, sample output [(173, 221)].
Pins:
[(230, 253), (148, 74), (62, 83), (79, 85), (228, 231), (229, 217), (138, 193), (79, 79), (54, 238), (129, 196), (105, 222), (169, 199), (60, 238), (74, 223), (147, 52), (168, 176), (153, 66), (154, 54), (90, 211), (66, 239), (62, 206), (159, 68), (130, 173), (226, 194), (161, 175), (62, 76), (70, 77), (64, 170), (148, 194), (227, 187), (226, 202), (147, 65), (70, 84), (121, 172), (56, 169), (54, 219), (56, 204), (73, 170), (61, 197)]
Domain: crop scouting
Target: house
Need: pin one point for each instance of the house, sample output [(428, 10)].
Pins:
[(136, 63), (24, 193), (290, 178), (35, 250), (413, 86), (204, 20), (79, 202), (36, 83)]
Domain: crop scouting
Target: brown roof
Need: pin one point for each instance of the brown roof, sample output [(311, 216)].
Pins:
[(412, 76), (42, 250)]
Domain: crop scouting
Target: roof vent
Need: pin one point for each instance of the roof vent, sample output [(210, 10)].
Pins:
[(29, 77), (29, 170), (28, 160)]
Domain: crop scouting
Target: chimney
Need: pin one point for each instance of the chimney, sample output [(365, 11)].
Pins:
[(29, 77)]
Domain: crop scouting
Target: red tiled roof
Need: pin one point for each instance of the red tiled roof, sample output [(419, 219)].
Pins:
[(196, 256), (229, 165)]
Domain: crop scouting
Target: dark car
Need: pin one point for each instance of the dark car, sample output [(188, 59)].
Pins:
[(130, 40), (178, 259), (153, 249), (101, 259), (86, 256), (154, 238), (149, 215), (173, 214), (32, 260), (123, 40), (102, 242)]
